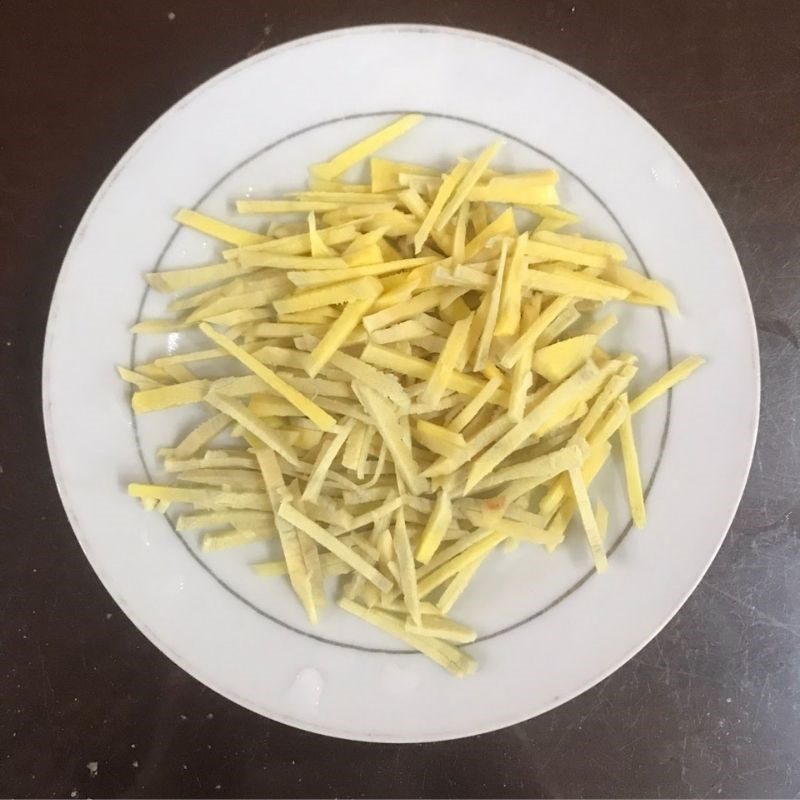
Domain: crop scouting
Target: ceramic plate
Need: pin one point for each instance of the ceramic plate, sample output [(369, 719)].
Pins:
[(549, 628)]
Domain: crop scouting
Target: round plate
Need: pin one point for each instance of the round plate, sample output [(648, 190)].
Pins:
[(549, 628)]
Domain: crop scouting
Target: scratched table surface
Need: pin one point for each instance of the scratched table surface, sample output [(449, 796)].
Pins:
[(88, 707)]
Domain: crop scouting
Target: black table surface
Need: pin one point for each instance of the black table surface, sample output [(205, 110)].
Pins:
[(88, 707)]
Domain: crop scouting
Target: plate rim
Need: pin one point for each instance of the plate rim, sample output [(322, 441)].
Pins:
[(122, 163)]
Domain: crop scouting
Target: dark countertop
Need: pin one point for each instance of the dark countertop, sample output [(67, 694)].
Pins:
[(710, 708)]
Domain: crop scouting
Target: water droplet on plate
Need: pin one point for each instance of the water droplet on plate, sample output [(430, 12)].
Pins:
[(306, 689), (665, 173), (173, 343)]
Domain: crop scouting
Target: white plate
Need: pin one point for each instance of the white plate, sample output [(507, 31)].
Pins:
[(549, 628)]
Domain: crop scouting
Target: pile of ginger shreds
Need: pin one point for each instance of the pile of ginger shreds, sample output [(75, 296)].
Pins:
[(415, 378)]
